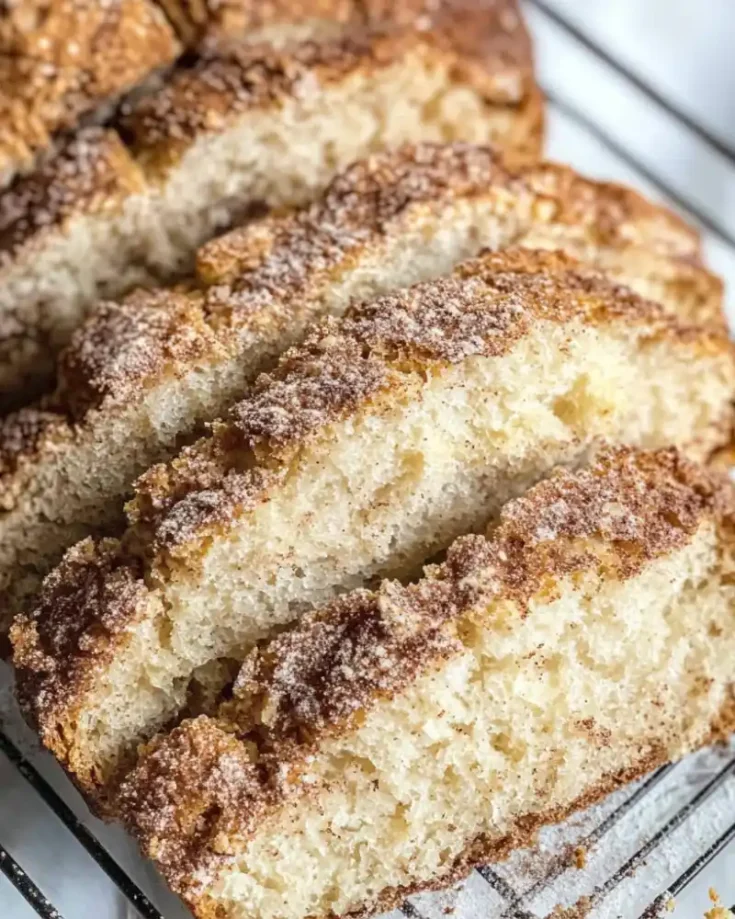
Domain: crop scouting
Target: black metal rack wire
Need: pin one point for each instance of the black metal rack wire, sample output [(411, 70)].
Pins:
[(515, 903)]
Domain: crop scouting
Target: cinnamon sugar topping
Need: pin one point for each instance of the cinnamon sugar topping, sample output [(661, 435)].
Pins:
[(123, 345), (92, 173)]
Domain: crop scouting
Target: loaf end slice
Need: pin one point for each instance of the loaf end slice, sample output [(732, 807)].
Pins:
[(387, 434), (396, 739)]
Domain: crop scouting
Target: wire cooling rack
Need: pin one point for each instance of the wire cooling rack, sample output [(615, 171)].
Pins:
[(625, 831), (617, 111)]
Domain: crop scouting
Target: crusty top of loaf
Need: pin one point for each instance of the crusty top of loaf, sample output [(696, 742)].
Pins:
[(60, 59), (103, 46), (124, 343), (609, 212), (360, 362), (273, 257), (90, 174), (614, 518), (202, 98), (215, 20)]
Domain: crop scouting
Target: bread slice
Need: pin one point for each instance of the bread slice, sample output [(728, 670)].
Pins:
[(247, 128), (67, 235), (65, 60), (141, 375), (396, 739), (370, 447), (210, 143)]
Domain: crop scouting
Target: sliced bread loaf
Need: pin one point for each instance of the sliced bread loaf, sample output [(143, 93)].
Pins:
[(387, 434)]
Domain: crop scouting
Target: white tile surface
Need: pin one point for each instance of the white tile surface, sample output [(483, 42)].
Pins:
[(684, 50)]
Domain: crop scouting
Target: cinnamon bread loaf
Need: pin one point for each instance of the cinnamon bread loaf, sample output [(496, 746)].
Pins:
[(370, 447), (143, 374), (396, 739)]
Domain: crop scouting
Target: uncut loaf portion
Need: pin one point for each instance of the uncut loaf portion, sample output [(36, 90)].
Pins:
[(248, 127), (142, 375), (369, 448), (396, 739), (67, 61)]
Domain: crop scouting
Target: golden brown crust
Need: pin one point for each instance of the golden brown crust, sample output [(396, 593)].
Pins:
[(210, 96), (61, 59), (91, 174), (608, 213), (215, 20), (275, 256), (197, 785), (84, 608)]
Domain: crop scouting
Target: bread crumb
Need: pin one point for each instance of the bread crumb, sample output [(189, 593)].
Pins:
[(578, 910), (718, 911)]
